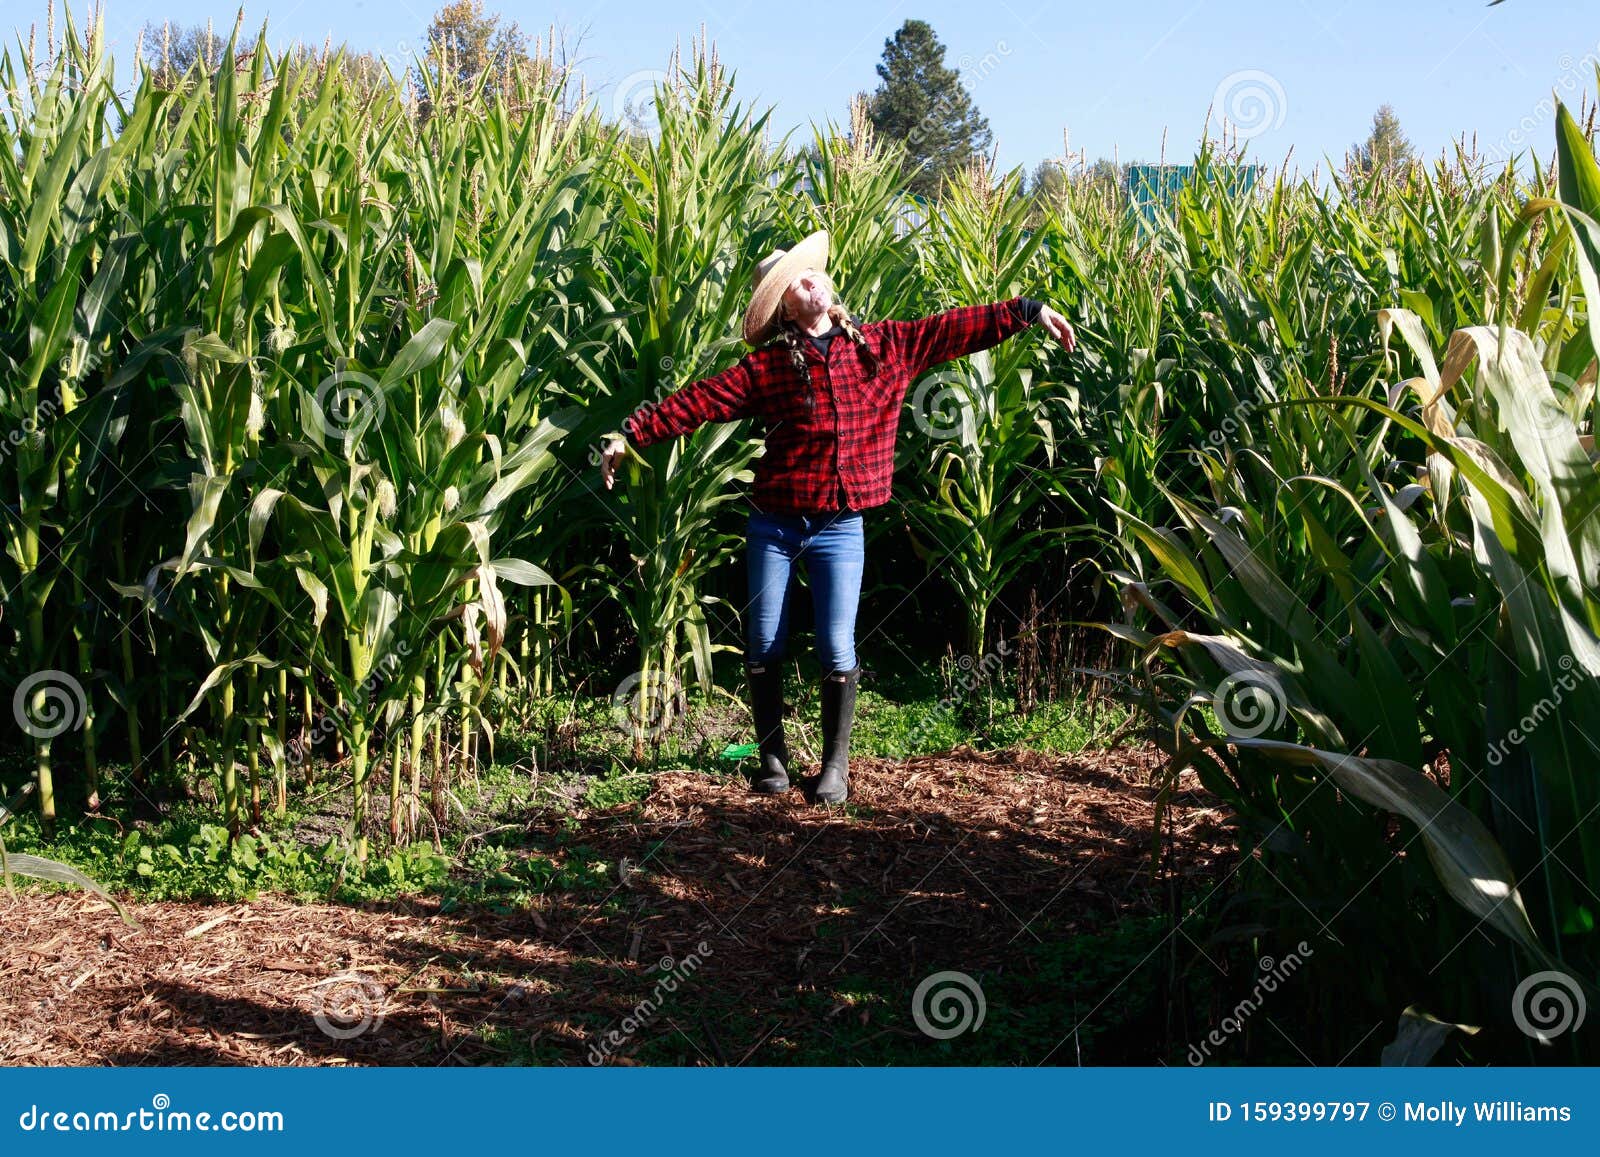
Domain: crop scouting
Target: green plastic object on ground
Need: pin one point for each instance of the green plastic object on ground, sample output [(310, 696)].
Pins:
[(740, 750)]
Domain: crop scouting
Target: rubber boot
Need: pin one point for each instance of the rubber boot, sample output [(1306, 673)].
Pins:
[(838, 712), (766, 704)]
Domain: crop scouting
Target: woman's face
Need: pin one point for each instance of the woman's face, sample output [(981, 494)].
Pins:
[(808, 295)]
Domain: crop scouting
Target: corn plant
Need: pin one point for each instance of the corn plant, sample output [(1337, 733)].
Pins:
[(1382, 614), (693, 210), (248, 329), (56, 166), (980, 449)]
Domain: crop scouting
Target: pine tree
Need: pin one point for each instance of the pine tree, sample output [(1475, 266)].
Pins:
[(1386, 147), (921, 103)]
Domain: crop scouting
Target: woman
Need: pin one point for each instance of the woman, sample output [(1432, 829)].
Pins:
[(828, 390)]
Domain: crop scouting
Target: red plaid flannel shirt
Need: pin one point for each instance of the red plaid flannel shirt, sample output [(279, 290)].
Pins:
[(839, 452)]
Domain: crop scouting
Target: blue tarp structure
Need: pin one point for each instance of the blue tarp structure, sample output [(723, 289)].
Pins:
[(1151, 185)]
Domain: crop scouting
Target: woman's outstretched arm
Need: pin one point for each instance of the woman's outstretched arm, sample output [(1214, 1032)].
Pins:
[(942, 337), (720, 398)]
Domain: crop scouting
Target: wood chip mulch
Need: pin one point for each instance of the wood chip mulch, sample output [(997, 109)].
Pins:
[(957, 861)]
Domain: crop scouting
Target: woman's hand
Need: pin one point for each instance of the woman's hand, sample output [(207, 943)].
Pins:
[(611, 452), (1058, 328)]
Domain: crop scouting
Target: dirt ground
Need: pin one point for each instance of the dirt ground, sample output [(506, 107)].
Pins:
[(732, 929)]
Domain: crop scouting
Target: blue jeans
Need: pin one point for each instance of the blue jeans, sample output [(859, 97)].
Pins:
[(832, 547)]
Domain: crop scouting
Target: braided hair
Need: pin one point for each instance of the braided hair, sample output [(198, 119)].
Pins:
[(790, 333)]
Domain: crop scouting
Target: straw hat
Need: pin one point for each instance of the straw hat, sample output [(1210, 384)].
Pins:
[(772, 278)]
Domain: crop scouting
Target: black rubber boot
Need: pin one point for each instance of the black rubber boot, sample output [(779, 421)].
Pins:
[(838, 712), (766, 704)]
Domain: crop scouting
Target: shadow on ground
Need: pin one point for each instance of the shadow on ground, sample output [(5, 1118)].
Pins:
[(731, 929)]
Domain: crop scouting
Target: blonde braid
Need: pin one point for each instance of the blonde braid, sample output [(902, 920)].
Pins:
[(842, 315)]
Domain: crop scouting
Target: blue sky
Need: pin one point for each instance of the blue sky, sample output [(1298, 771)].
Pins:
[(1295, 73)]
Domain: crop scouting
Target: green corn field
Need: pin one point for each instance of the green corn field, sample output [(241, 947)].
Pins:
[(302, 373)]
